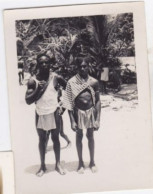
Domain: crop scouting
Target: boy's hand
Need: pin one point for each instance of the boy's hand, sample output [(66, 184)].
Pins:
[(42, 83), (96, 125), (61, 111), (74, 126)]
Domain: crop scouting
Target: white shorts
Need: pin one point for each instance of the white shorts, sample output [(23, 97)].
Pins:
[(86, 118), (46, 122)]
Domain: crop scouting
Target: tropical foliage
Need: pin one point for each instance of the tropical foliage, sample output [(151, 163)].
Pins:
[(102, 38)]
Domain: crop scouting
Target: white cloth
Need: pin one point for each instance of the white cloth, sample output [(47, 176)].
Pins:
[(73, 88), (48, 102), (86, 118), (20, 70), (46, 122), (105, 74)]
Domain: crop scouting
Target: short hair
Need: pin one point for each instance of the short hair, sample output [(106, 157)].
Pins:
[(81, 58), (50, 60), (42, 55)]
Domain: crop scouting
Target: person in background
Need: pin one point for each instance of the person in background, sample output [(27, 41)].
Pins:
[(20, 73), (104, 78), (61, 111)]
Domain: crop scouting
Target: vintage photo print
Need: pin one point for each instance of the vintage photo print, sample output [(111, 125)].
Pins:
[(79, 98), (6, 173)]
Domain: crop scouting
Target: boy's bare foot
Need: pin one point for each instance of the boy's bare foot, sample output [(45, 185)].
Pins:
[(80, 169), (41, 171), (60, 170), (93, 169)]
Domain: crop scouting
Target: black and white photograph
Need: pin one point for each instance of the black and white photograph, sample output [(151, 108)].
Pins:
[(79, 99)]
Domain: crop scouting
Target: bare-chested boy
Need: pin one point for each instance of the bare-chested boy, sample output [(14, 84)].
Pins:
[(41, 90), (83, 102)]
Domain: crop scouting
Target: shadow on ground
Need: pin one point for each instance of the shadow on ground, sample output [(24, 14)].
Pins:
[(34, 169), (69, 166)]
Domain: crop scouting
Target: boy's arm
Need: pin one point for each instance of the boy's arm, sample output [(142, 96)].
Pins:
[(97, 104), (32, 91), (72, 120), (61, 81), (35, 91)]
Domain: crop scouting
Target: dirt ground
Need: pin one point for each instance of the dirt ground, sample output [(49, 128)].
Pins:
[(119, 151), (126, 99)]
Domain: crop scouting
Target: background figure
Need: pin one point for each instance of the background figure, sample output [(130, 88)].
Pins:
[(114, 80), (61, 127), (20, 73), (61, 111), (62, 134), (104, 79), (32, 68), (127, 70)]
